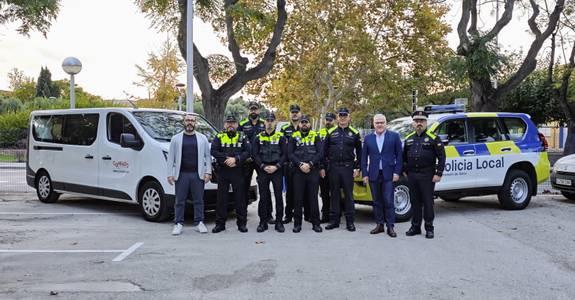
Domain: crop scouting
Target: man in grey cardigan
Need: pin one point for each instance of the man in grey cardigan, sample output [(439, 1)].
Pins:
[(189, 167)]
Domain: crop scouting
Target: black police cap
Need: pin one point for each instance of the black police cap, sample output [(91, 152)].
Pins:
[(253, 104), (270, 116), (304, 118), (231, 118), (294, 108), (330, 116), (343, 110)]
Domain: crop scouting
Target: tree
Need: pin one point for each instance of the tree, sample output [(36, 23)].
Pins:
[(36, 15), (45, 88), (16, 79), (481, 55), (160, 75), (246, 24)]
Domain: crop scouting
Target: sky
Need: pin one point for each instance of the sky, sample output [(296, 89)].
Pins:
[(110, 37)]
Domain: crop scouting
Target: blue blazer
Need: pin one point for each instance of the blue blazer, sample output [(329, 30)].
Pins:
[(390, 156)]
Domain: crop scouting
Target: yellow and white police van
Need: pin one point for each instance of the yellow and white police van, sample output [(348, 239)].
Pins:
[(487, 153), (109, 153)]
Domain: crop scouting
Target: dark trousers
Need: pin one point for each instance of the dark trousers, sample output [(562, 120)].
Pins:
[(233, 177), (325, 195), (383, 205), (422, 195), (189, 184), (305, 188), (289, 174), (248, 173), (341, 177), (264, 180)]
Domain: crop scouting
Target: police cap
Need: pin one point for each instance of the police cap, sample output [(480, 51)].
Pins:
[(419, 115)]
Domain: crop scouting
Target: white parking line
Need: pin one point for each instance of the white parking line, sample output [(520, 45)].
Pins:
[(122, 256)]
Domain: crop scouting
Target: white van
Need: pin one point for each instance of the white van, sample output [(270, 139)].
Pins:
[(110, 153)]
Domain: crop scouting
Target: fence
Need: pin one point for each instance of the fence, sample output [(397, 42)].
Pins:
[(13, 171)]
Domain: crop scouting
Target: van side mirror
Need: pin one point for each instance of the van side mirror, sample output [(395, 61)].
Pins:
[(128, 140), (444, 138)]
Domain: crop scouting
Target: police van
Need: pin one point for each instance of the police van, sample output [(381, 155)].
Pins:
[(110, 153), (486, 153)]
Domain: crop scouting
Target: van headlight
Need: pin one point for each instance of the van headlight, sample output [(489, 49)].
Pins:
[(165, 154)]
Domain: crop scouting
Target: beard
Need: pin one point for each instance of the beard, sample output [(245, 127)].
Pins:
[(253, 116), (231, 132), (305, 129), (190, 127)]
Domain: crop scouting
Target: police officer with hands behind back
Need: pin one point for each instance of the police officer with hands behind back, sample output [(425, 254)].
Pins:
[(230, 149), (270, 154), (324, 178), (342, 147), (423, 161), (288, 130), (305, 153)]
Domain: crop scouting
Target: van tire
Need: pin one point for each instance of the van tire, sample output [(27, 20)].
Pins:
[(568, 195), (153, 202), (402, 200), (45, 188), (516, 191)]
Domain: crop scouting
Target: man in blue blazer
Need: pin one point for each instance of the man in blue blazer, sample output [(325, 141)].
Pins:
[(381, 164)]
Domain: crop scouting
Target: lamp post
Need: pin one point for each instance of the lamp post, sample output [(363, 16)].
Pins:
[(180, 87), (72, 66)]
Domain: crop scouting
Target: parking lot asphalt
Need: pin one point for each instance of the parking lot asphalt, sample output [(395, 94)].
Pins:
[(90, 249)]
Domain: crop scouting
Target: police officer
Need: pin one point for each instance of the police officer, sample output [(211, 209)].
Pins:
[(270, 154), (288, 129), (343, 150), (324, 178), (251, 126), (423, 160), (230, 150), (305, 153)]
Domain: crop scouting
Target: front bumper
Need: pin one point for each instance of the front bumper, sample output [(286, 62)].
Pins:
[(563, 175)]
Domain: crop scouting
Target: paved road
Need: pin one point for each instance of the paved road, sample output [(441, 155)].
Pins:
[(480, 252)]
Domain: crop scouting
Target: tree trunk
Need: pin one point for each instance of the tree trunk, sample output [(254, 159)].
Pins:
[(214, 109), (570, 141), (483, 95)]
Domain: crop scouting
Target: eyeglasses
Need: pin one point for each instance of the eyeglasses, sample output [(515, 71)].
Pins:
[(343, 115), (304, 122), (379, 123)]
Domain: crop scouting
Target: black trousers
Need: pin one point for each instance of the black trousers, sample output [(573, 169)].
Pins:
[(341, 177), (325, 195), (248, 173), (226, 177), (422, 197), (290, 204), (305, 188), (265, 203)]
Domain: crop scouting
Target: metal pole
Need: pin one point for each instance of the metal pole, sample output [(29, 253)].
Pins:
[(190, 56), (72, 94), (414, 101), (180, 102)]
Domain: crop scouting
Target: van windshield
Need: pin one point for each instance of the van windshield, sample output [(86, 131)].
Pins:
[(162, 125)]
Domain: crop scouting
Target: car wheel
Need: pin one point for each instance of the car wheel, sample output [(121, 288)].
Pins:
[(153, 202), (402, 201), (450, 198), (568, 195), (516, 191), (45, 189)]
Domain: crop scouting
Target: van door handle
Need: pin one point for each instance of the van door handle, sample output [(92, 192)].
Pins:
[(88, 156), (107, 157), (469, 152), (506, 149)]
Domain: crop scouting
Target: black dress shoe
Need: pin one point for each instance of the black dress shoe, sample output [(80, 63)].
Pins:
[(413, 231), (242, 228), (296, 228), (350, 227), (378, 229), (317, 228), (280, 227), (218, 228), (429, 234), (287, 220), (391, 232), (271, 221), (331, 226), (262, 227)]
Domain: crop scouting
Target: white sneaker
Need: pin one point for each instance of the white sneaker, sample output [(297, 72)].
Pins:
[(177, 229), (201, 228)]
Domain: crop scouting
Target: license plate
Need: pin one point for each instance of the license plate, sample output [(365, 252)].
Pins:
[(563, 181)]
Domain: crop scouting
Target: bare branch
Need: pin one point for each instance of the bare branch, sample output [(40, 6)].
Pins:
[(241, 62), (463, 47), (532, 20), (505, 19), (473, 27)]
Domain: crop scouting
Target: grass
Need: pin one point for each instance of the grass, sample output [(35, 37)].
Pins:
[(5, 157)]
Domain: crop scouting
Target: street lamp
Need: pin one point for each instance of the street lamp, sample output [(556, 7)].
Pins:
[(180, 87), (72, 66)]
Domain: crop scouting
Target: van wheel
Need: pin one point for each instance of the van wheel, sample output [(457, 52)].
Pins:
[(568, 195), (402, 200), (516, 191), (450, 198), (153, 202), (45, 189)]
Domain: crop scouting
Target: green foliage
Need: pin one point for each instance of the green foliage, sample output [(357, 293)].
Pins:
[(13, 128), (10, 105), (36, 15), (484, 59), (25, 92), (45, 87)]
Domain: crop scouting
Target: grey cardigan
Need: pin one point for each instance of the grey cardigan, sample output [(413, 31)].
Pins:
[(175, 155)]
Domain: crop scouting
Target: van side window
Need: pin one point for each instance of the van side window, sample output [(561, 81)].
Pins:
[(453, 130), (516, 128), (81, 129), (118, 124), (485, 130), (48, 128)]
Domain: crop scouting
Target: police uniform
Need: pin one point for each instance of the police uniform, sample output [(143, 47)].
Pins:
[(343, 150), (269, 149), (305, 147), (324, 182), (224, 146), (251, 130), (288, 130), (424, 157)]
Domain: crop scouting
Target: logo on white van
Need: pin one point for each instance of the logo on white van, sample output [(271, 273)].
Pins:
[(120, 166)]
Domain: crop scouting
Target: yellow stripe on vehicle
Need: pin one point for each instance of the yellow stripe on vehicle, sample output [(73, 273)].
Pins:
[(480, 114), (451, 152), (503, 147), (543, 167)]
